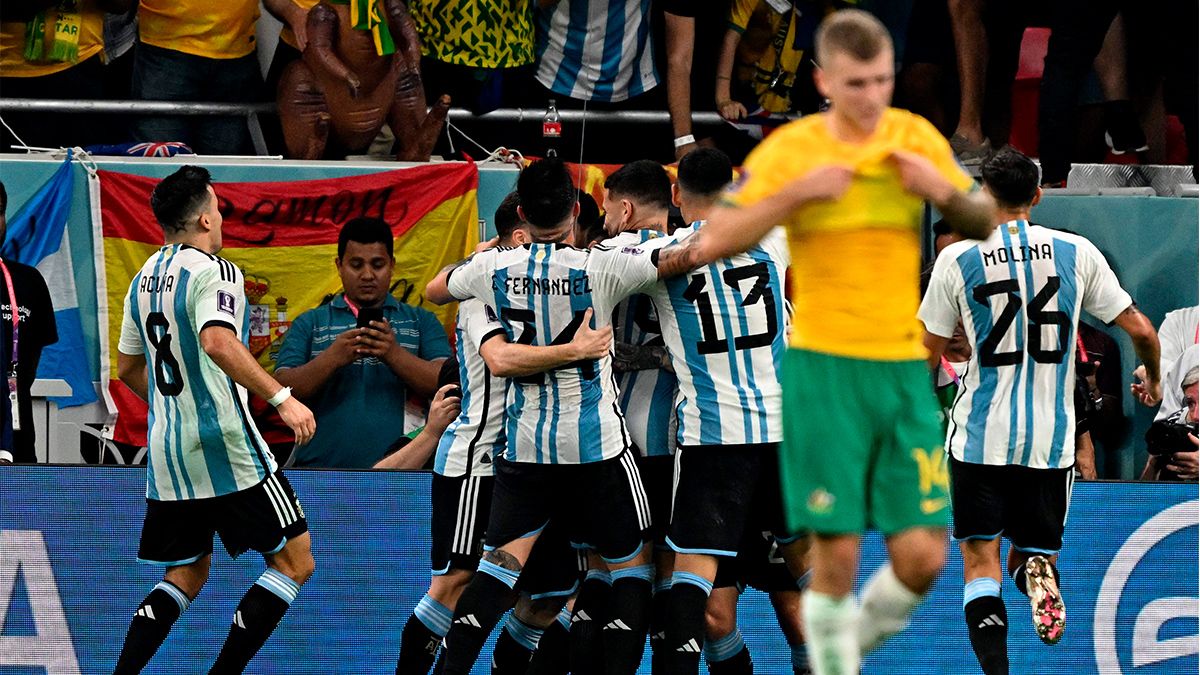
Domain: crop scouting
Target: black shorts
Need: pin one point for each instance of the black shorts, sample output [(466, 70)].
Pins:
[(759, 564), (602, 505), (657, 476), (459, 513), (555, 567), (720, 490), (1027, 506), (262, 518)]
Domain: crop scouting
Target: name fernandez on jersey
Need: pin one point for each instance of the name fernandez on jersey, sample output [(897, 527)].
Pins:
[(580, 285)]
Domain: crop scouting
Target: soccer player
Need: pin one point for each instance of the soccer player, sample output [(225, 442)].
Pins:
[(702, 177), (461, 491), (1011, 439), (208, 469), (636, 201), (848, 186), (564, 428)]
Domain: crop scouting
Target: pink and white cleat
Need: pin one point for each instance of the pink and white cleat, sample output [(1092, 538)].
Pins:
[(1049, 613)]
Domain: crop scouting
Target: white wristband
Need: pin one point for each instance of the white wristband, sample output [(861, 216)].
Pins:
[(684, 140), (280, 396)]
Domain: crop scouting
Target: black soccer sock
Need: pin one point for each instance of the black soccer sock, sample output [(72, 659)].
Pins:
[(628, 619), (658, 623), (150, 626), (728, 655), (587, 624), (515, 647), (553, 652), (255, 619), (1018, 576), (422, 636), (987, 624), (489, 595), (685, 623)]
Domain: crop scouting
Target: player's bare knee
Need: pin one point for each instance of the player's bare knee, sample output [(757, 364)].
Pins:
[(295, 561), (503, 559), (719, 617), (918, 571), (540, 612), (189, 578)]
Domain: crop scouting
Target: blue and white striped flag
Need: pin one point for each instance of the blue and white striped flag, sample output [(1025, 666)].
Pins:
[(37, 236)]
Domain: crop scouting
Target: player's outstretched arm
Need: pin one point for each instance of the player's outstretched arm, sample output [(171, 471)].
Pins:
[(1145, 344), (507, 359), (413, 456), (437, 290), (131, 369), (231, 356)]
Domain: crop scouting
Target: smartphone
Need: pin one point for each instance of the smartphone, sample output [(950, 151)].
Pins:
[(368, 314)]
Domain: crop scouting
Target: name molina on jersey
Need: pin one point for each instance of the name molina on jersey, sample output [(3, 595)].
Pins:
[(575, 285), (1018, 253)]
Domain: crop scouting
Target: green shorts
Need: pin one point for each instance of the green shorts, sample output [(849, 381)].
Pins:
[(862, 445)]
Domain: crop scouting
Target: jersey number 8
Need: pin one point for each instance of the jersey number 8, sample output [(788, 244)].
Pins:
[(168, 380)]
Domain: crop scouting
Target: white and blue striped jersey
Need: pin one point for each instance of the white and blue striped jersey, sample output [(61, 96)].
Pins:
[(724, 325), (540, 291), (477, 434), (202, 442), (646, 396), (596, 50), (1019, 294)]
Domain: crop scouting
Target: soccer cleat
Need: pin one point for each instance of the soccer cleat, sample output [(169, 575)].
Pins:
[(1049, 614)]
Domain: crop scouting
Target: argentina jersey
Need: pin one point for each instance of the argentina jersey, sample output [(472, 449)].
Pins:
[(1019, 294), (202, 442), (477, 434), (646, 396), (596, 50), (568, 415), (724, 326)]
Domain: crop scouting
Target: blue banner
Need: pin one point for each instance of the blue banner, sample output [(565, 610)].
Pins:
[(69, 583)]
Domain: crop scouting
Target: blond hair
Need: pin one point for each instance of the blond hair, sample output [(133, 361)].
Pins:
[(853, 32)]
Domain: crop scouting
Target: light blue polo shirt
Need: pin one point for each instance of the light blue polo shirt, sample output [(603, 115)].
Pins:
[(360, 411)]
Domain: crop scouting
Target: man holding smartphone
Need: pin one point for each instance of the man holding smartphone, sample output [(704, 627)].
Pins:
[(359, 356)]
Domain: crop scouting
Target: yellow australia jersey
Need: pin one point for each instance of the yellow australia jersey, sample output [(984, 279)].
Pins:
[(855, 273), (286, 34), (476, 33), (12, 44), (215, 30)]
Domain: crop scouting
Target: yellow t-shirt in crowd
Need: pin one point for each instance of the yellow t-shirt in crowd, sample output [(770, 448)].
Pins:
[(855, 274), (774, 44), (476, 33), (286, 34), (12, 45), (215, 30)]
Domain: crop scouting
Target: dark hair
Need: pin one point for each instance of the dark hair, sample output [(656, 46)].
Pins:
[(644, 181), (178, 199), (941, 228), (507, 219), (853, 32), (589, 226), (1011, 177), (3, 199), (546, 192), (365, 230), (704, 172)]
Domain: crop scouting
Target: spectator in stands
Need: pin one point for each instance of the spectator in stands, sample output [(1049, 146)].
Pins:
[(926, 84), (1181, 464), (689, 23), (356, 378), (480, 53), (196, 50), (50, 52), (1179, 331), (35, 330), (1098, 368)]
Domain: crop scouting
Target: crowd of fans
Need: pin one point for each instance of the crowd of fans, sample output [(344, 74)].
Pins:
[(1113, 72)]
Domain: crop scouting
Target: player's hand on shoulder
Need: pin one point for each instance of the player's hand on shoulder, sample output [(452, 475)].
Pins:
[(485, 245), (821, 184), (299, 419), (444, 408), (921, 177), (591, 343)]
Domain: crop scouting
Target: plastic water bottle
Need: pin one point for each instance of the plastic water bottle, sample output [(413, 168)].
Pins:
[(551, 129)]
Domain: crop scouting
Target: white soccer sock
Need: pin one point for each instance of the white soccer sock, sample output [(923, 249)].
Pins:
[(886, 605), (830, 624)]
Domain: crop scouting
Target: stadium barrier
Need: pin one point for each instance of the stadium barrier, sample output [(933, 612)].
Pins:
[(69, 583)]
